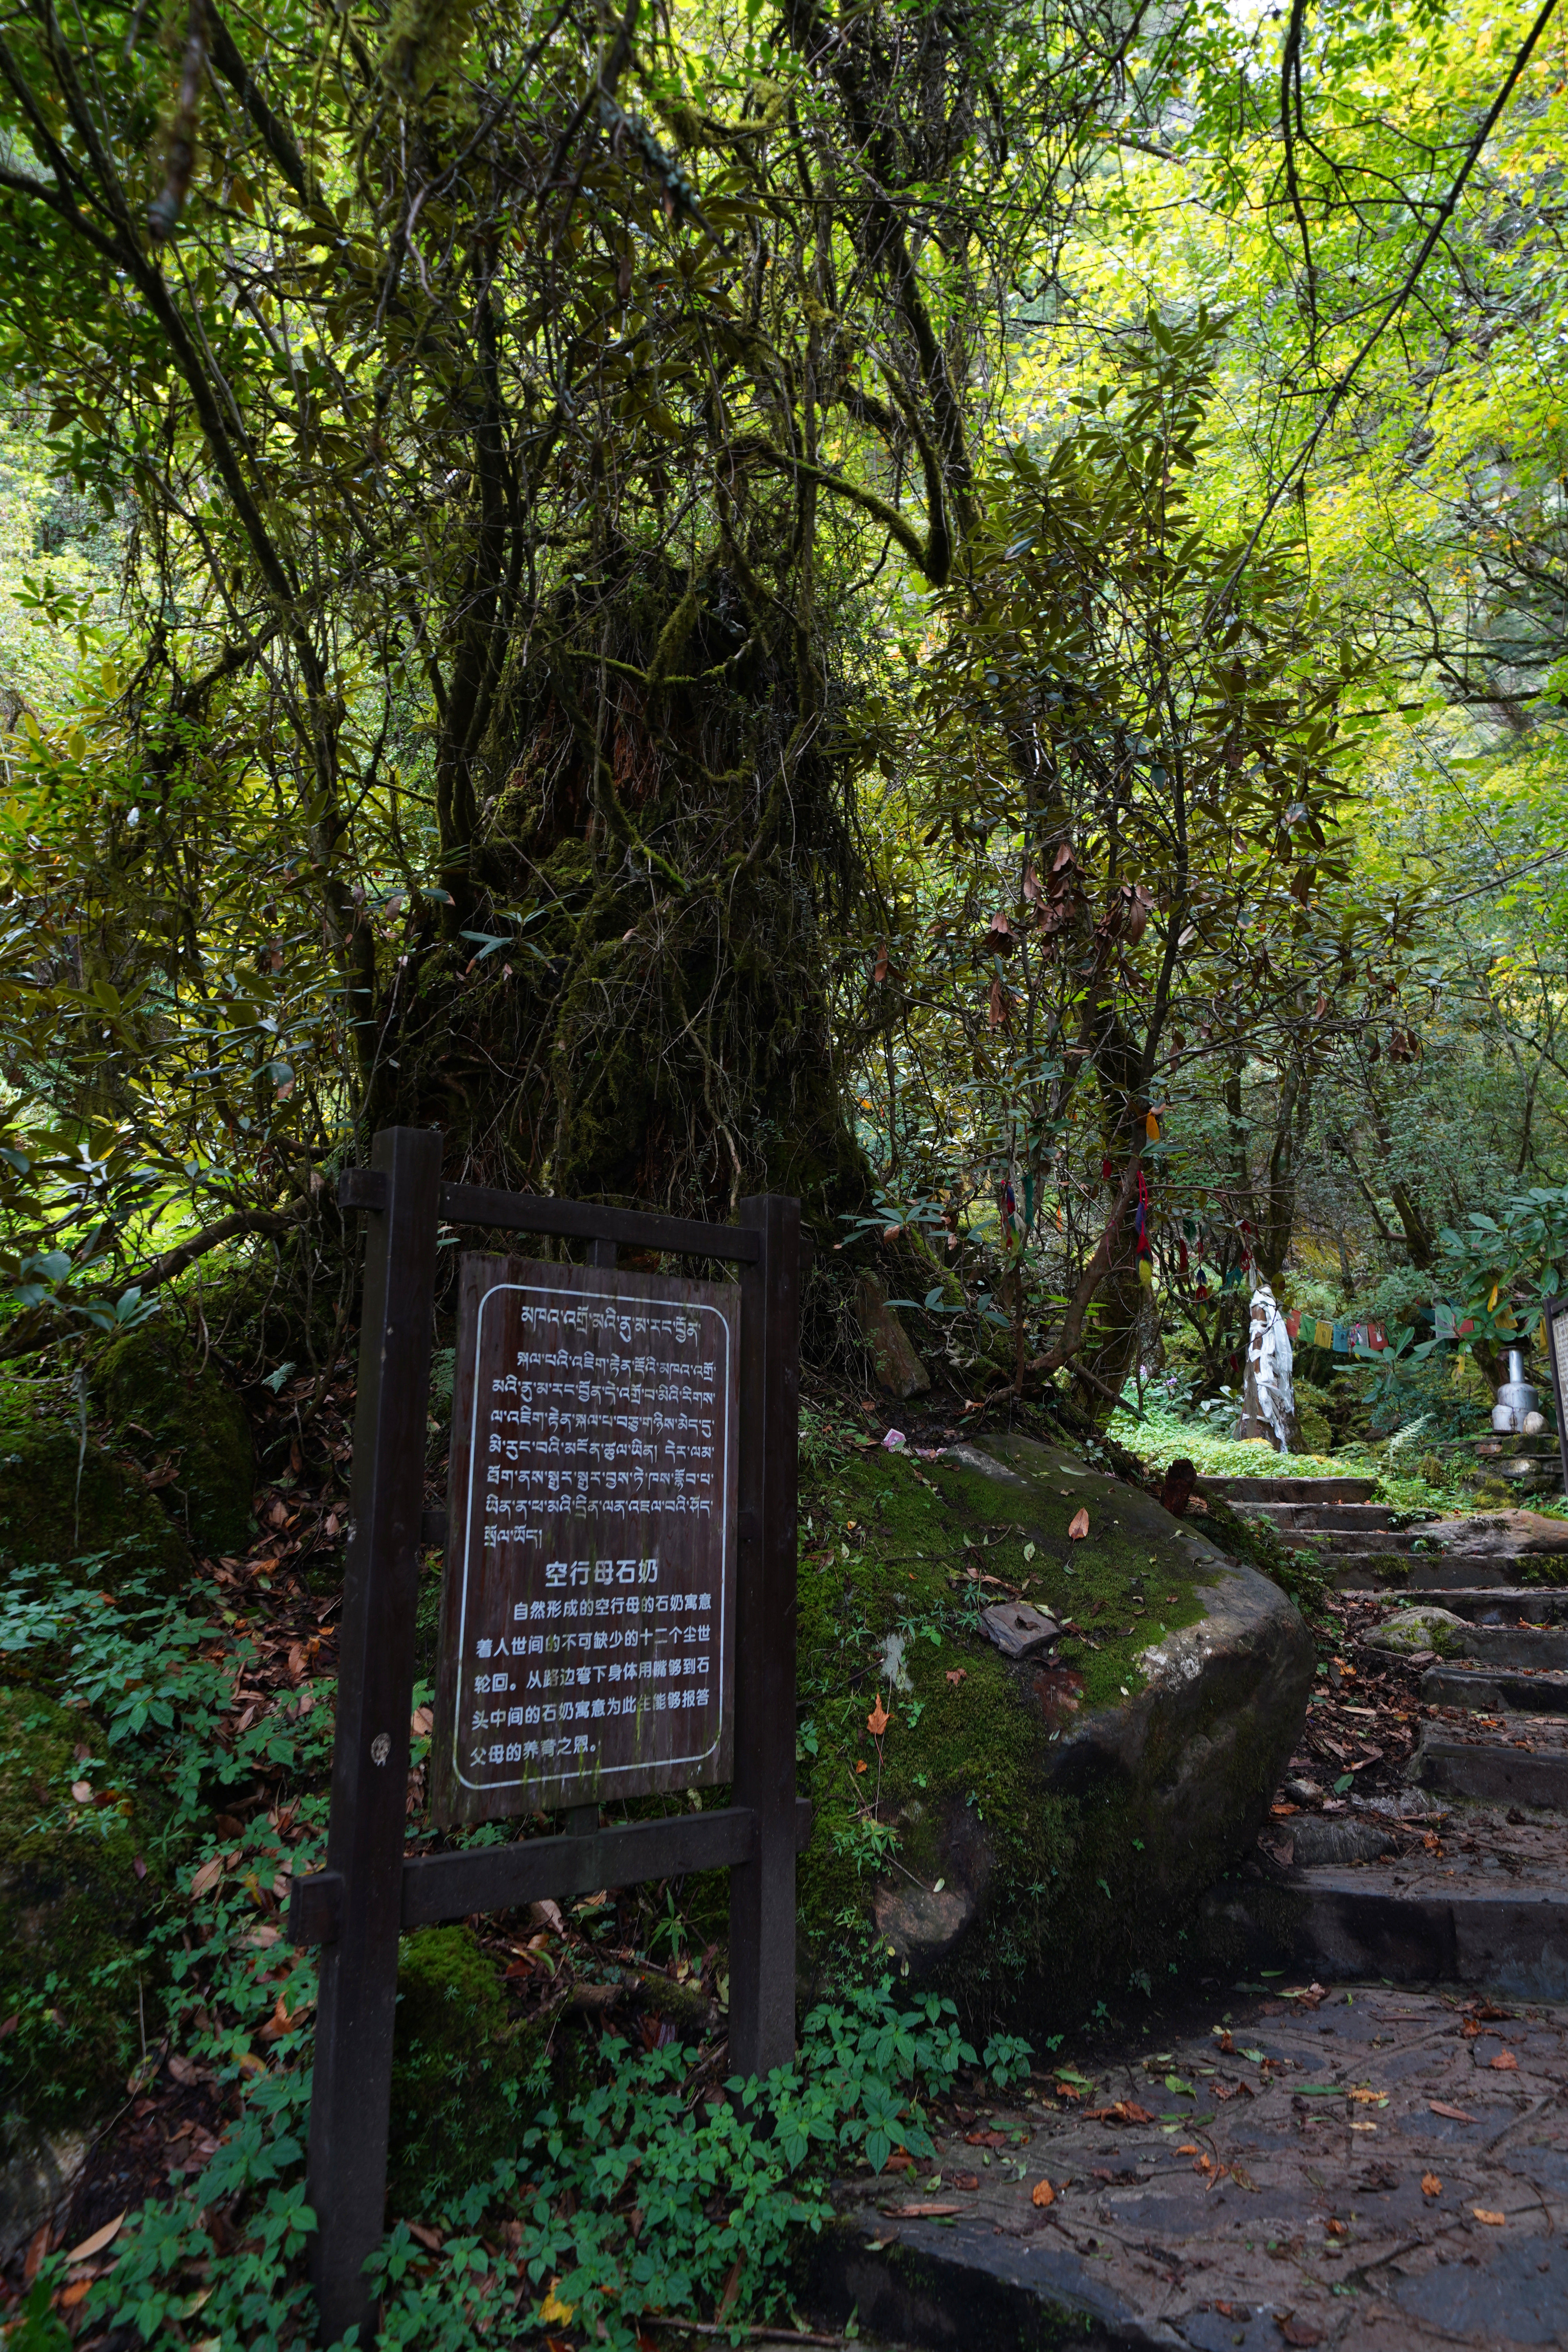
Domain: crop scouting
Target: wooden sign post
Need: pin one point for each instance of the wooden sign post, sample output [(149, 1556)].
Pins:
[(617, 1617)]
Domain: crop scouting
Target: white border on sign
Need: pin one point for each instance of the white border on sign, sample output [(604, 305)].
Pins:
[(601, 1772)]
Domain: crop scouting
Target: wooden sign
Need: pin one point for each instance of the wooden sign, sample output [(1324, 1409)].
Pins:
[(588, 1612)]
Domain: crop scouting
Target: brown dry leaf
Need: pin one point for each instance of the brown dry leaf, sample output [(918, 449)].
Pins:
[(1430, 2185), (1042, 2193), (1298, 2331), (731, 2288), (420, 1721), (986, 2139), (1504, 2062), (204, 1879), (1078, 1525), (921, 2212), (861, 1765), (967, 2180), (956, 1675), (427, 2237), (99, 2239), (877, 1722), (1492, 2220), (1369, 2098), (900, 2161), (1459, 2115)]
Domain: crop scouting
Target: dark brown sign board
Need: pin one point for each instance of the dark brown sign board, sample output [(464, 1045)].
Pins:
[(618, 1533), (1557, 1356), (588, 1612)]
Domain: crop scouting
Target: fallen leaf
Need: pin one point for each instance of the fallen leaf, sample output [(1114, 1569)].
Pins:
[(1188, 2148), (186, 2071), (731, 2288), (877, 1722), (1441, 2107), (986, 2139), (1042, 2193), (1430, 2185), (420, 1721), (37, 2247), (81, 1790), (70, 2297), (1371, 2098), (956, 1675), (1078, 1525), (900, 2162), (1298, 2331), (1504, 2062), (921, 2212), (552, 2309), (968, 2181), (99, 2239), (206, 1877), (861, 1765), (1492, 2220)]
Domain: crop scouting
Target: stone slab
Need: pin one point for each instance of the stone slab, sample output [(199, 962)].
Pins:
[(1493, 1775), (1291, 2181), (1335, 1923), (1495, 1690), (1290, 1490)]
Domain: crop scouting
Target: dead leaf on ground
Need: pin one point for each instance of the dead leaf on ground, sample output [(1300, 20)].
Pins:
[(968, 2181), (1042, 2193), (1078, 1525), (956, 1675), (1430, 2185), (877, 1722), (921, 2212), (986, 2139), (1298, 2331), (99, 2239), (1492, 2220), (1459, 2115), (420, 1721), (207, 1876), (1504, 2062)]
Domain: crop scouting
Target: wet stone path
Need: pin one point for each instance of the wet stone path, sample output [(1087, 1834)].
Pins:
[(1361, 2166)]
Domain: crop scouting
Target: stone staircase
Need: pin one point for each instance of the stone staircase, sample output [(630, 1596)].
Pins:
[(1461, 1873)]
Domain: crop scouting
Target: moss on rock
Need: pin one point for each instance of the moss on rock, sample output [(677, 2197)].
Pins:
[(458, 2066), (73, 1914), (1027, 1834), (153, 1380), (60, 1501)]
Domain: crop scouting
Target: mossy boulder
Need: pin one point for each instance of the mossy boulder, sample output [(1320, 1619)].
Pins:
[(157, 1389), (1410, 1631), (1028, 1835), (60, 1500), (74, 1911), (458, 2069)]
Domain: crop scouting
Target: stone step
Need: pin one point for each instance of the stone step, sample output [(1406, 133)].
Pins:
[(1433, 1574), (1537, 1604), (1490, 1772), (1324, 1518), (1290, 1490), (1495, 1690), (1327, 1542), (1533, 1646), (1335, 1923)]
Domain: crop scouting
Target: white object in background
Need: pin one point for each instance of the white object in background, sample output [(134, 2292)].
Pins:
[(1268, 1397)]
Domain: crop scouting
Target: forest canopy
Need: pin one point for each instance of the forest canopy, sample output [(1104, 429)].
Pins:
[(959, 610)]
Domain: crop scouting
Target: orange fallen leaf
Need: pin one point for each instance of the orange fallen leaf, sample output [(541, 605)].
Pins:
[(1188, 2148), (72, 2295), (877, 1722), (861, 1765), (1430, 2185), (1504, 2062), (1042, 2193), (1492, 2220), (1078, 1525), (956, 1675), (921, 2212), (420, 1721), (1459, 2114)]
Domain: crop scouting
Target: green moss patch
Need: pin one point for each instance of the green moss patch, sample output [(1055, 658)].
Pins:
[(157, 1387), (60, 1501), (74, 1972), (459, 2068)]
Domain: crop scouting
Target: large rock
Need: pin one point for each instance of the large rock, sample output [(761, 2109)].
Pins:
[(61, 1500), (166, 1397), (1058, 1817)]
